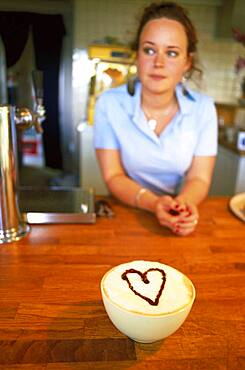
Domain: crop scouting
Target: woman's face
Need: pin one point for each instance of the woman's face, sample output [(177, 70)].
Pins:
[(162, 57)]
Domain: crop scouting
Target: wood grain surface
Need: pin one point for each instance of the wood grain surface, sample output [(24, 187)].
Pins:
[(51, 312)]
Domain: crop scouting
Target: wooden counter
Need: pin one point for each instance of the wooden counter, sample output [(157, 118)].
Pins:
[(52, 316)]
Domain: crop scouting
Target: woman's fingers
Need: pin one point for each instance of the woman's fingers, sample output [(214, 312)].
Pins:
[(180, 217), (188, 220), (166, 212)]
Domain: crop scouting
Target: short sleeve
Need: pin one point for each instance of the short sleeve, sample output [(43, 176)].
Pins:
[(104, 135), (207, 143)]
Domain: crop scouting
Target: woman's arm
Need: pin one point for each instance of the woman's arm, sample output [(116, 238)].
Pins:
[(119, 184), (128, 191), (194, 190), (198, 180)]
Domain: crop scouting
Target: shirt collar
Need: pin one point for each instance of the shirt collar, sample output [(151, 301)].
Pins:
[(185, 98), (137, 111)]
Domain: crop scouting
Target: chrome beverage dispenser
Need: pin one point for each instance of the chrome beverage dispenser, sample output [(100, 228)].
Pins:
[(12, 225)]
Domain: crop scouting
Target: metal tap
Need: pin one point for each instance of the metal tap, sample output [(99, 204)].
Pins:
[(12, 225)]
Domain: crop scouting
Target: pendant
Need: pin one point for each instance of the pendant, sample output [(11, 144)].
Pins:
[(152, 124)]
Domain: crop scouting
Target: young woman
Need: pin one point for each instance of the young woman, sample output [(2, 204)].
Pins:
[(157, 147)]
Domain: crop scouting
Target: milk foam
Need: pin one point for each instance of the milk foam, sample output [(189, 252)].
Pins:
[(176, 294)]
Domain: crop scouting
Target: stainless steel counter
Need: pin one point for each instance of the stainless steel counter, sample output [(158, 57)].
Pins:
[(57, 205)]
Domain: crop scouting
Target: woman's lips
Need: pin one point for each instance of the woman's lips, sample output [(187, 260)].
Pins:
[(157, 77)]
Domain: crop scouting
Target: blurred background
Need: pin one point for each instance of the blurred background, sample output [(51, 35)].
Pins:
[(82, 47)]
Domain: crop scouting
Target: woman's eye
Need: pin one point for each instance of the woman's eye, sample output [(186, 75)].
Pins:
[(148, 51), (172, 53)]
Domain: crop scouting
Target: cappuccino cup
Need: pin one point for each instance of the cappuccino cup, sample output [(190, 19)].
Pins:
[(145, 300)]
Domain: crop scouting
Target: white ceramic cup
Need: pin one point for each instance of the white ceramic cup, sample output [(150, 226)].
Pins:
[(146, 328)]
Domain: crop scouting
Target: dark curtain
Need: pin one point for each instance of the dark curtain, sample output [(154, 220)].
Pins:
[(48, 32)]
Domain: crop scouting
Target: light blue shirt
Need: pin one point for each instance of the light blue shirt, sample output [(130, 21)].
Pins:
[(158, 163)]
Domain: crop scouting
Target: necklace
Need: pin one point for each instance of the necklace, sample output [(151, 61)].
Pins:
[(152, 122)]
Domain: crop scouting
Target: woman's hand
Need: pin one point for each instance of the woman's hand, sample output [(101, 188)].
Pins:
[(178, 216), (187, 221)]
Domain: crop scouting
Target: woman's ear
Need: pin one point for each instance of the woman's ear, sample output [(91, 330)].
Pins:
[(189, 62)]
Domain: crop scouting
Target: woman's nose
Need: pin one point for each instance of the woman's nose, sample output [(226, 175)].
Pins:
[(159, 60)]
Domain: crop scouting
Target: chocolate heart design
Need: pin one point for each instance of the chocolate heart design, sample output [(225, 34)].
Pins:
[(143, 276)]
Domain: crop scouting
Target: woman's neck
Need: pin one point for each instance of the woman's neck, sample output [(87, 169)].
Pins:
[(159, 109), (157, 102)]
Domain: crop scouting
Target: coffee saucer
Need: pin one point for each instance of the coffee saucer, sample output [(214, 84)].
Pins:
[(237, 205)]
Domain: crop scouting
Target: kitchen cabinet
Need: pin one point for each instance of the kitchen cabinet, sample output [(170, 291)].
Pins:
[(229, 172)]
